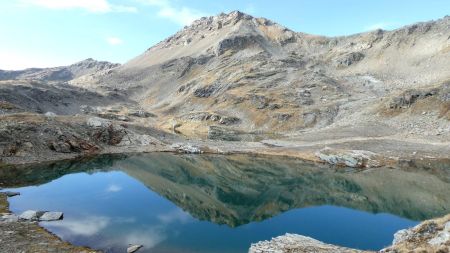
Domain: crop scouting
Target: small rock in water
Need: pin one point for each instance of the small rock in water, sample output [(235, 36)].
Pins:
[(133, 248), (51, 216), (11, 194)]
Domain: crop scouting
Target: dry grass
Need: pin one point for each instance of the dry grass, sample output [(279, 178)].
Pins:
[(444, 111), (3, 204), (6, 105)]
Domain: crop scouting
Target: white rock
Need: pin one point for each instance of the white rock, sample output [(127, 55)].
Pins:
[(187, 148), (402, 235), (440, 239), (51, 216), (133, 248), (98, 122), (50, 114), (30, 215), (9, 217)]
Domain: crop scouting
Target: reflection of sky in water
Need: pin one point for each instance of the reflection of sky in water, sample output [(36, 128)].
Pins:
[(111, 210)]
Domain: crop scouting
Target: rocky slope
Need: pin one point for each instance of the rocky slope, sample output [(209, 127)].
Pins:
[(64, 73), (261, 76)]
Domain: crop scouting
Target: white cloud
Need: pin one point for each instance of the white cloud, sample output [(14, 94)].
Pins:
[(114, 188), (87, 226), (181, 15), (176, 215), (114, 41), (149, 238), (381, 25), (96, 6)]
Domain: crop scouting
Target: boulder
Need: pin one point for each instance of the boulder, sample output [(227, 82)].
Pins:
[(349, 59), (133, 248), (9, 217), (296, 243), (187, 148), (51, 216), (50, 114), (30, 215), (442, 237), (350, 158), (223, 134), (97, 122)]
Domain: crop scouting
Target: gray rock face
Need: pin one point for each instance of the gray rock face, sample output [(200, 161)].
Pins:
[(349, 59), (51, 216), (134, 248), (220, 133)]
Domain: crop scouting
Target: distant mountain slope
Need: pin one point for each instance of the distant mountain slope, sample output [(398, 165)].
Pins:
[(64, 73)]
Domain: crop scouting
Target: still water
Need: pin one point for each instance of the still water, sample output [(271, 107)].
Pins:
[(207, 203)]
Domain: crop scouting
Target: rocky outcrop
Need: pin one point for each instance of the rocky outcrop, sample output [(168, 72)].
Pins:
[(292, 243), (350, 158), (349, 59), (428, 236)]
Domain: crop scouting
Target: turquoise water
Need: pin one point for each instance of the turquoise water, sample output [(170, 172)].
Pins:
[(173, 203)]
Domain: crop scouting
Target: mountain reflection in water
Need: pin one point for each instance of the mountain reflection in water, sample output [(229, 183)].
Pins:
[(232, 190)]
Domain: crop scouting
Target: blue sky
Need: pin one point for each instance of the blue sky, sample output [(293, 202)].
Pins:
[(44, 33)]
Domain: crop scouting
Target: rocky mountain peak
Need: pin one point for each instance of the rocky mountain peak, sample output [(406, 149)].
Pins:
[(215, 35)]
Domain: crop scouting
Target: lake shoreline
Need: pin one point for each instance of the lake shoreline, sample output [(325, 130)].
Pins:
[(26, 236)]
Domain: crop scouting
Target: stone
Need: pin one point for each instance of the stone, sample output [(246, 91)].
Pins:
[(51, 216), (187, 148), (402, 235), (30, 215), (9, 217), (98, 122), (440, 239), (11, 194), (223, 134), (50, 114), (133, 248), (350, 158), (296, 243), (349, 59)]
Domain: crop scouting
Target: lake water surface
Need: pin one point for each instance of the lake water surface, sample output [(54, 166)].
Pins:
[(209, 203)]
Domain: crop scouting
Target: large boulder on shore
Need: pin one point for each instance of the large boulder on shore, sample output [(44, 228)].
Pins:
[(349, 158), (293, 243)]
